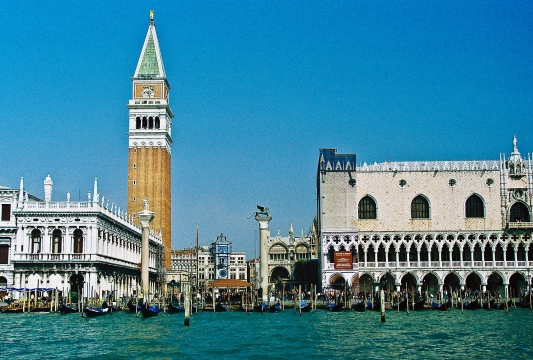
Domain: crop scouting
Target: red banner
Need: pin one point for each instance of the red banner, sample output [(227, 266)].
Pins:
[(343, 260)]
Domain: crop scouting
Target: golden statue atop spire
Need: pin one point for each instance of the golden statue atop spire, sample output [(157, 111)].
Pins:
[(152, 15)]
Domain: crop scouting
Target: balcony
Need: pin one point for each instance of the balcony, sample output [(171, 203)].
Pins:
[(520, 225), (442, 265), (44, 258), (331, 266)]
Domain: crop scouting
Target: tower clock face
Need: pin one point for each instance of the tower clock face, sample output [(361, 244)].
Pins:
[(222, 273)]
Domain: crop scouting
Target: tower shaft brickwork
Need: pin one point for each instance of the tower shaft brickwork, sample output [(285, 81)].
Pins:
[(149, 140)]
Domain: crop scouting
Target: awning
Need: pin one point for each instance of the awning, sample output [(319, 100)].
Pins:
[(230, 283)]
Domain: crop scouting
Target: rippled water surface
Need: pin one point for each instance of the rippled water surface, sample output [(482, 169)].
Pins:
[(478, 334)]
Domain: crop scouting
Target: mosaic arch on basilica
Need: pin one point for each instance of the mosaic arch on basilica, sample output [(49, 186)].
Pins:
[(426, 225)]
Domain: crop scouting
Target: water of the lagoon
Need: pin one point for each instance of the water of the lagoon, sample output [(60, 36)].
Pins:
[(478, 334)]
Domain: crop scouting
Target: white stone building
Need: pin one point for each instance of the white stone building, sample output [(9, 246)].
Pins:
[(88, 247), (426, 225)]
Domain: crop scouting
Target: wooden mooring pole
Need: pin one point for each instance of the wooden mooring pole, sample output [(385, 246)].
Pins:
[(382, 304), (187, 306), (300, 298)]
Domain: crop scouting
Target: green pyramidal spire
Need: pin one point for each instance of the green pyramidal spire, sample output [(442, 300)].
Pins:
[(150, 63)]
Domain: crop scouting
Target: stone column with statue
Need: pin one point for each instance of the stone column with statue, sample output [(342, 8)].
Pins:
[(262, 217), (145, 218)]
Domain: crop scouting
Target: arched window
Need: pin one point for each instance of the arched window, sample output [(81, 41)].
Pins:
[(474, 207), (419, 208), (56, 241), (519, 213), (137, 122), (145, 122), (150, 122), (367, 208), (157, 124), (36, 241), (78, 241)]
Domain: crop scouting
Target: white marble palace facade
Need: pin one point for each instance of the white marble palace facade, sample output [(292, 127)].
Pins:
[(426, 225), (88, 247)]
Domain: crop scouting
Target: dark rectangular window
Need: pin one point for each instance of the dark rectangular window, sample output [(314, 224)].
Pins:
[(6, 212), (4, 254)]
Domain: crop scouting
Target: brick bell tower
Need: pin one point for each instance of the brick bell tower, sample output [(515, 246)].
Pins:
[(149, 139)]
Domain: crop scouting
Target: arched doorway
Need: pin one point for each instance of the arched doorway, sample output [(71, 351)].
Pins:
[(451, 281), (388, 282), (76, 282), (355, 288), (408, 282), (365, 283), (338, 283), (277, 277), (473, 282), (430, 283), (495, 284), (517, 285), (3, 286)]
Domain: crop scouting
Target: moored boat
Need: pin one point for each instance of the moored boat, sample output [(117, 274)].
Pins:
[(441, 307), (12, 308), (472, 305), (94, 312), (418, 305), (305, 307), (150, 311), (373, 306), (275, 308), (360, 306), (67, 309), (261, 307), (175, 309), (335, 307), (219, 307)]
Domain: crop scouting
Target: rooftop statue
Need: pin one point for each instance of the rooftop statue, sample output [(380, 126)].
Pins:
[(145, 204)]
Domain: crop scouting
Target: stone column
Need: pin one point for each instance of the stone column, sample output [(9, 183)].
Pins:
[(145, 218), (264, 234)]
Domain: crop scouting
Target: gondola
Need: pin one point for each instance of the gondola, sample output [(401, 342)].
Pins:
[(373, 306), (472, 305), (441, 307), (418, 305), (305, 307), (275, 308), (219, 307), (150, 311), (335, 307), (360, 306), (12, 308), (260, 308), (94, 312), (487, 306), (41, 309), (66, 309), (523, 304), (131, 307), (175, 309)]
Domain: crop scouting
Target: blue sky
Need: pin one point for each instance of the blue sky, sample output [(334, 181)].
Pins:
[(257, 89)]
